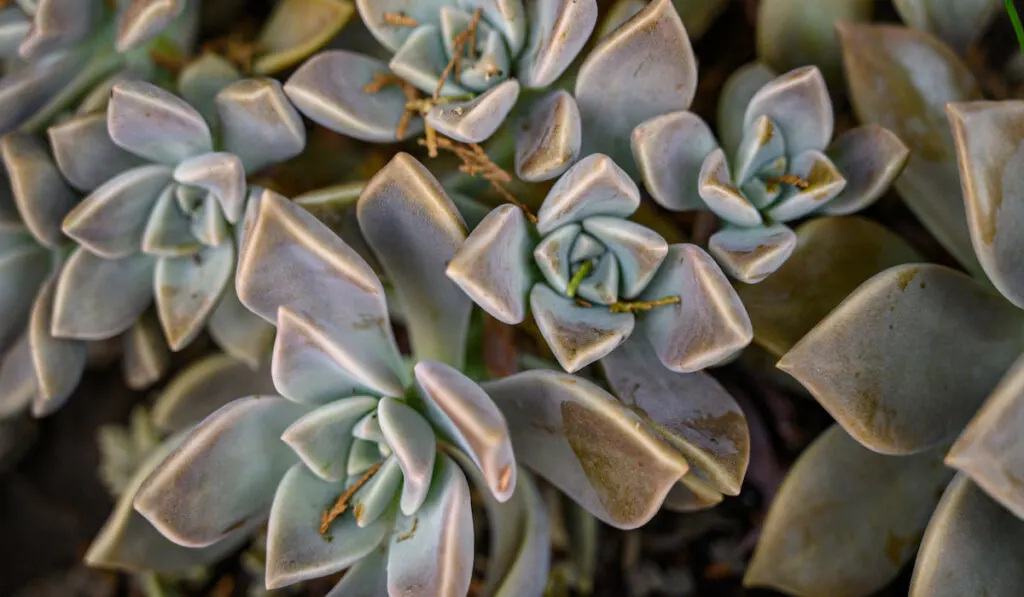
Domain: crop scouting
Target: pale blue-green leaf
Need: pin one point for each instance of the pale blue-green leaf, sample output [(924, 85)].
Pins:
[(493, 265), (391, 37), (168, 231), (187, 290), (366, 578), (752, 254), (548, 138), (412, 440), (422, 59), (902, 79), (988, 450), (587, 247), (602, 285), (201, 80), (510, 16), (209, 226), (211, 484), (736, 94), (797, 103), (692, 494), (23, 270), (691, 411), (470, 418), (846, 519), (296, 29), (329, 89), (588, 444), (25, 91), (146, 357), (99, 298), (824, 181), (761, 146), (362, 456), (595, 185), (258, 123), (990, 157), (14, 26), (870, 158), (638, 250), (475, 120), (670, 150), (40, 193), (368, 429), (558, 31), (85, 154), (957, 22), (415, 230), (577, 335), (491, 67), (971, 547), (897, 398), (643, 69), (290, 259), (112, 220), (721, 196), (296, 550), (58, 363), (17, 379), (378, 494), (431, 553), (56, 25), (709, 324), (527, 572), (240, 332), (142, 20), (551, 255), (155, 124), (222, 174), (323, 437)]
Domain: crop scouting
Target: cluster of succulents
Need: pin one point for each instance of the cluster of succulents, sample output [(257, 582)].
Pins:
[(419, 266)]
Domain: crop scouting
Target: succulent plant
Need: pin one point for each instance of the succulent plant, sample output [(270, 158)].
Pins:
[(919, 366), (776, 163), (598, 274), (957, 23)]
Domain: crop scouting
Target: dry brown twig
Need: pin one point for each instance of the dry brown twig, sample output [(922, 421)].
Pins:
[(341, 504), (459, 43), (400, 19)]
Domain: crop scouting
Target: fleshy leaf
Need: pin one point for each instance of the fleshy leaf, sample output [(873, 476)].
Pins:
[(99, 298), (155, 124), (824, 182), (296, 550), (896, 398), (168, 230), (58, 363), (588, 444), (969, 548), (670, 150), (558, 31), (469, 417), (56, 25), (203, 387), (40, 193), (17, 379), (187, 290), (721, 196), (870, 158), (902, 79), (85, 154), (638, 250), (209, 226), (201, 80), (290, 259), (493, 265), (643, 69), (23, 270), (323, 437), (422, 60), (736, 94), (240, 332), (258, 123), (431, 551), (548, 138), (296, 29), (577, 335), (552, 255), (957, 22), (412, 440), (391, 37), (799, 104), (415, 230), (990, 162), (146, 357), (692, 411), (690, 496), (329, 89), (838, 254), (222, 174), (475, 120), (142, 20), (211, 485), (988, 450), (595, 185), (378, 494), (111, 221), (845, 519), (366, 578), (707, 326), (751, 254)]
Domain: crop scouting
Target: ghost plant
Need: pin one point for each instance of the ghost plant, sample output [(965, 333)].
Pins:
[(160, 223), (61, 51), (363, 460), (597, 274), (918, 365), (776, 163)]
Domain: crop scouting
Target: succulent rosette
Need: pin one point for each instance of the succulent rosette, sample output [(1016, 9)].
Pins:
[(588, 274), (364, 459), (469, 58), (776, 163), (158, 220), (921, 368), (66, 52)]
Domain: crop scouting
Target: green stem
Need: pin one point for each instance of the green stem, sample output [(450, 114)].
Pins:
[(577, 278), (1011, 10)]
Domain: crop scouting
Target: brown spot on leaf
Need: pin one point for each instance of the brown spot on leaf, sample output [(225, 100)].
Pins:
[(906, 277)]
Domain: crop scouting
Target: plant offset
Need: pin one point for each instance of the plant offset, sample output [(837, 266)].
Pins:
[(449, 298)]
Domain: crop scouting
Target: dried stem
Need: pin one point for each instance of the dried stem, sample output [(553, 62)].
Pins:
[(632, 306), (382, 80), (400, 19), (582, 302), (459, 44), (341, 504), (577, 278), (792, 179)]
